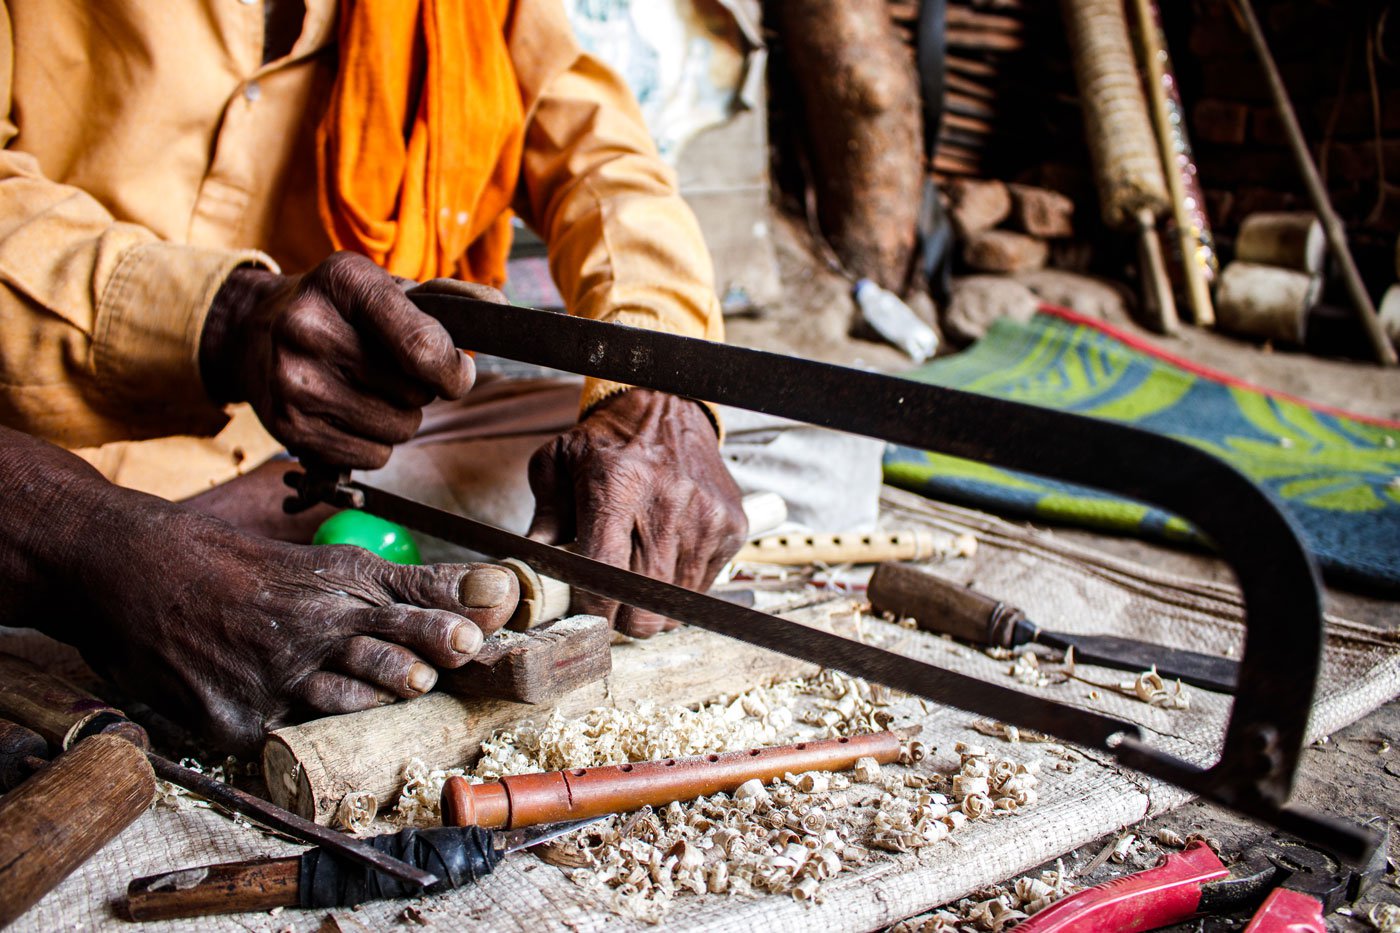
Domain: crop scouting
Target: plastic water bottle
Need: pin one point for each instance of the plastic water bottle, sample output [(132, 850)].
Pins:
[(895, 321)]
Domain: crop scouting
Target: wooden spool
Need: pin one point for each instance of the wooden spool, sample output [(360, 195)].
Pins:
[(1266, 301), (1290, 239)]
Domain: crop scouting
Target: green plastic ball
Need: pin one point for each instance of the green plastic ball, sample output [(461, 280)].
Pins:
[(376, 535)]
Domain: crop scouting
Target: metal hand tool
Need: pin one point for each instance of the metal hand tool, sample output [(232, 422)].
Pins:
[(939, 605), (1282, 602), (64, 715), (1289, 886), (323, 878)]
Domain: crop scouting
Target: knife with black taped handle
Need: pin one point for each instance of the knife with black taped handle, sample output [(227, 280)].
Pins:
[(940, 605)]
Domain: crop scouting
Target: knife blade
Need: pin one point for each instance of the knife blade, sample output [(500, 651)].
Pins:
[(937, 604)]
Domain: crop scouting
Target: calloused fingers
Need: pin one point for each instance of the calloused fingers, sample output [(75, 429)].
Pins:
[(443, 638), (605, 534), (485, 594), (653, 555), (383, 664), (334, 694)]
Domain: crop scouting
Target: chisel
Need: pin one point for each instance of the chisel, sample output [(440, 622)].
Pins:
[(940, 605), (320, 878)]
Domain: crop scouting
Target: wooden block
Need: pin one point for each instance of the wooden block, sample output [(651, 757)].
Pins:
[(536, 665), (310, 767), (1005, 251), (1041, 212), (1224, 122), (978, 205)]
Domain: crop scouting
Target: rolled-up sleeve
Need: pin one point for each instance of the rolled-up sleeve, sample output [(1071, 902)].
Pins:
[(100, 320), (623, 245)]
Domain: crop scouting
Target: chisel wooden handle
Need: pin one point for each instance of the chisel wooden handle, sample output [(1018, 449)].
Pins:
[(58, 818), (939, 605), (554, 796), (798, 549), (57, 710)]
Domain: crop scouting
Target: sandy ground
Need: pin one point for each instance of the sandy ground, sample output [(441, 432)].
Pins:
[(1355, 773)]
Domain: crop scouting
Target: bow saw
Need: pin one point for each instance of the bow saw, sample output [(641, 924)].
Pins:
[(1278, 580)]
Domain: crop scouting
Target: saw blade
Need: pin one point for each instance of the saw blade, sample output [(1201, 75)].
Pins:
[(901, 672)]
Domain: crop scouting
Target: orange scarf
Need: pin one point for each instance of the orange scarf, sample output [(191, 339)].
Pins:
[(419, 151)]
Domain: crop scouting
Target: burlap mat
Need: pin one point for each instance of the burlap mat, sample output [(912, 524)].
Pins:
[(1064, 586)]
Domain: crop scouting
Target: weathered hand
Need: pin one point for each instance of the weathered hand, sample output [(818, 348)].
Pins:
[(640, 484), (337, 362), (240, 633), (229, 632)]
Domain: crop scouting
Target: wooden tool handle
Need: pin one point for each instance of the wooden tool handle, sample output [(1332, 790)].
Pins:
[(57, 710), (553, 796), (58, 818), (230, 888), (798, 549), (18, 748), (939, 605)]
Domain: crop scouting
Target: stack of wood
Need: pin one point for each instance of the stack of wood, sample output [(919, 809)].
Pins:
[(983, 210), (1275, 279), (983, 37)]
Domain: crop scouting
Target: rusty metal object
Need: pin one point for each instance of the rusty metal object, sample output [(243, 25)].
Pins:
[(580, 793)]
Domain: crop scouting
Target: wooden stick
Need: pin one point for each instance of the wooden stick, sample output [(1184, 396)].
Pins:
[(310, 767), (872, 548), (582, 793), (1317, 191), (230, 888), (1157, 287), (1152, 52), (58, 818)]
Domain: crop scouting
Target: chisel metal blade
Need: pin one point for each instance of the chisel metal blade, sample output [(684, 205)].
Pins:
[(1206, 671), (516, 839)]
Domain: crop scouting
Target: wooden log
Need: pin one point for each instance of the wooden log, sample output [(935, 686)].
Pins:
[(966, 17), (58, 819), (310, 767), (538, 665), (1266, 301), (1005, 251), (978, 206), (1290, 239), (983, 40), (971, 67), (860, 99), (1041, 212)]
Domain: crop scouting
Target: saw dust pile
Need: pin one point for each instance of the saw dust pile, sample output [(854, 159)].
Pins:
[(787, 837)]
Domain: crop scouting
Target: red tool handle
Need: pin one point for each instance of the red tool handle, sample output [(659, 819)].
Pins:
[(1286, 911), (1160, 896)]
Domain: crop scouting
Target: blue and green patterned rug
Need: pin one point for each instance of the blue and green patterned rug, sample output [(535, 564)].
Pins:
[(1338, 474)]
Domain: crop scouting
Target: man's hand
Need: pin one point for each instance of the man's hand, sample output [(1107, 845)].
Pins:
[(237, 635), (337, 363), (231, 633), (640, 484)]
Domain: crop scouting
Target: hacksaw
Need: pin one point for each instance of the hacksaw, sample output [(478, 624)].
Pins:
[(1279, 583)]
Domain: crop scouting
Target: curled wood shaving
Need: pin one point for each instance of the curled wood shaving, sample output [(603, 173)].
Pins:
[(996, 908), (357, 811)]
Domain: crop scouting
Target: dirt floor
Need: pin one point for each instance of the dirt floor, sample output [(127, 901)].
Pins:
[(1353, 774)]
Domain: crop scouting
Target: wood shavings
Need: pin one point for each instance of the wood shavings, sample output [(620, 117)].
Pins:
[(867, 770), (1170, 838), (1122, 849), (418, 802), (177, 798), (1385, 918), (996, 908), (357, 811)]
